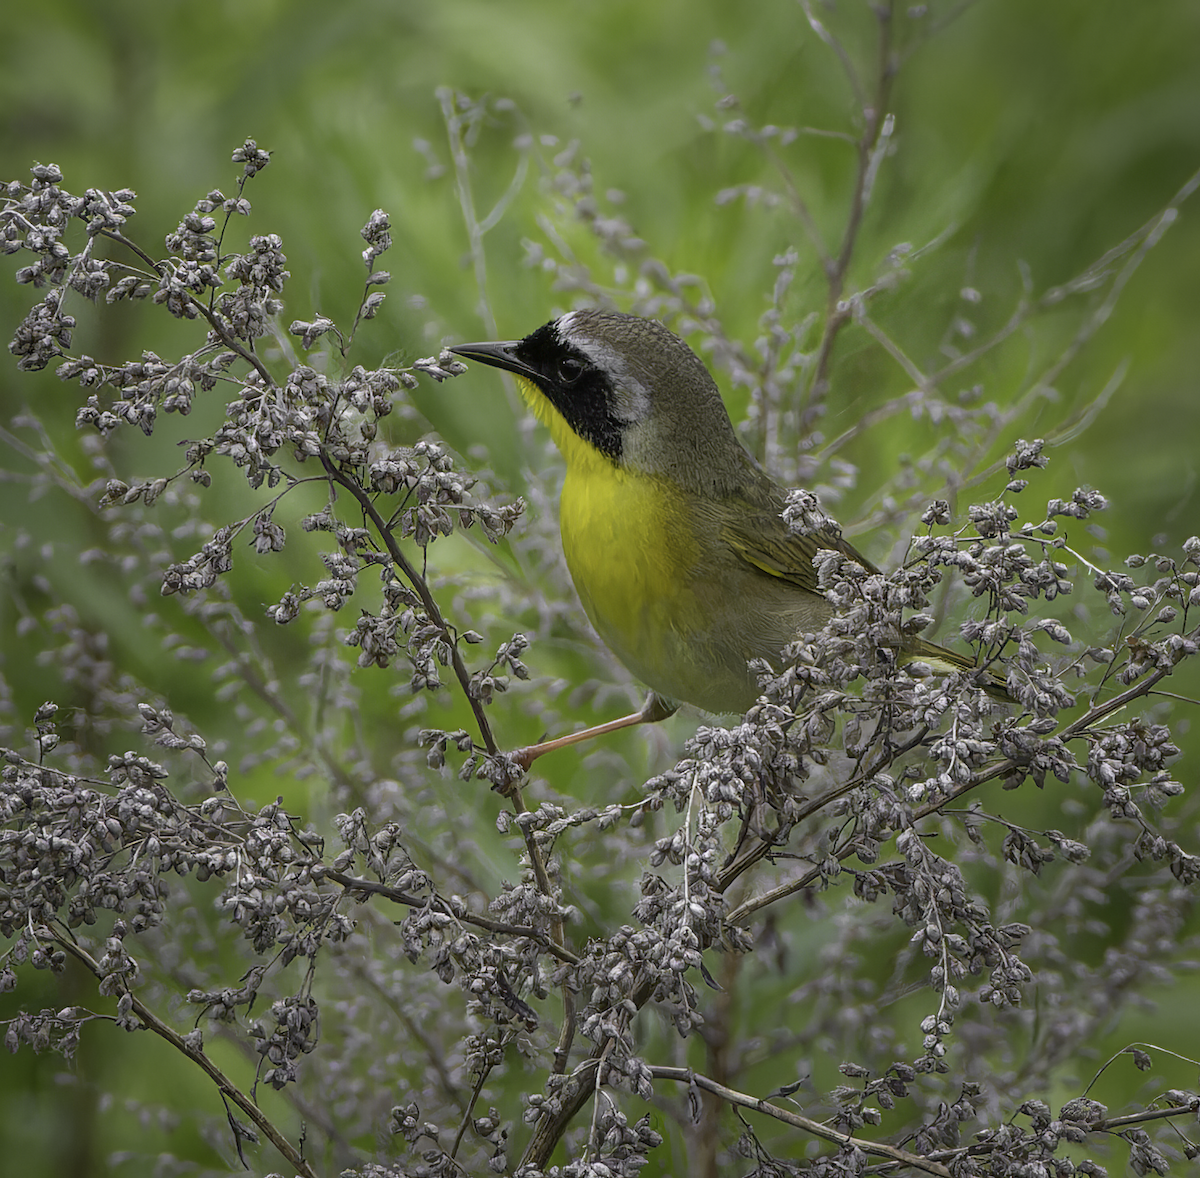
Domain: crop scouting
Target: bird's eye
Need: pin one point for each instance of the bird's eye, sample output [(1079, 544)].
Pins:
[(569, 370)]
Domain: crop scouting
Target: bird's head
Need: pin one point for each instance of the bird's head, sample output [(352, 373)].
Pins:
[(622, 389)]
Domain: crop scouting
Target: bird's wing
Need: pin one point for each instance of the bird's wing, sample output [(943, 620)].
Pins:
[(761, 538), (757, 534)]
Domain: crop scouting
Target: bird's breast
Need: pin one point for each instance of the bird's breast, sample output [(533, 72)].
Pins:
[(643, 576), (630, 551)]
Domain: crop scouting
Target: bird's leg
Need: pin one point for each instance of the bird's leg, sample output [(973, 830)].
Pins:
[(654, 709)]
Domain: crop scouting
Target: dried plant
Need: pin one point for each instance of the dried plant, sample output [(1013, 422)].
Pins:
[(641, 954)]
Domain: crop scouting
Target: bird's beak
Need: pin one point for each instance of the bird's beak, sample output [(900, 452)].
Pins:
[(499, 355)]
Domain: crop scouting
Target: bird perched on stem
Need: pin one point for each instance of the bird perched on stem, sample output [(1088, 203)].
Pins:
[(674, 535)]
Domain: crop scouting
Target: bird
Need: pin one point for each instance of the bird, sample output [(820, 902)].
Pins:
[(673, 533)]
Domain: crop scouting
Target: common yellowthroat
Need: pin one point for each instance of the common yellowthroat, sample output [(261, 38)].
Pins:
[(673, 533)]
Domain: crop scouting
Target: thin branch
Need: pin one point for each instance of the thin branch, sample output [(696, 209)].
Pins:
[(219, 326), (418, 582), (579, 1087), (728, 874), (421, 586), (480, 1080), (799, 204), (354, 883), (876, 130), (1127, 1050), (860, 95), (1103, 1125), (227, 1088), (1074, 731), (874, 1148), (475, 226)]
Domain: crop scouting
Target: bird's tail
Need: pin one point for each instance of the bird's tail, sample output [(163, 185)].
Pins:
[(947, 662)]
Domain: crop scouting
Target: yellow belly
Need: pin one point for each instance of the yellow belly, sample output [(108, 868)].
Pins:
[(636, 565)]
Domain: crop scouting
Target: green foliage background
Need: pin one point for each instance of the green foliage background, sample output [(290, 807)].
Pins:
[(1042, 134)]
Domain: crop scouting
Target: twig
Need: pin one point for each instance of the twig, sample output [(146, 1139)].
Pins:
[(874, 1148), (476, 228), (219, 326), (1127, 1050), (728, 874), (484, 1072), (227, 1088), (421, 586), (876, 127), (1103, 1125), (353, 883), (1073, 731)]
